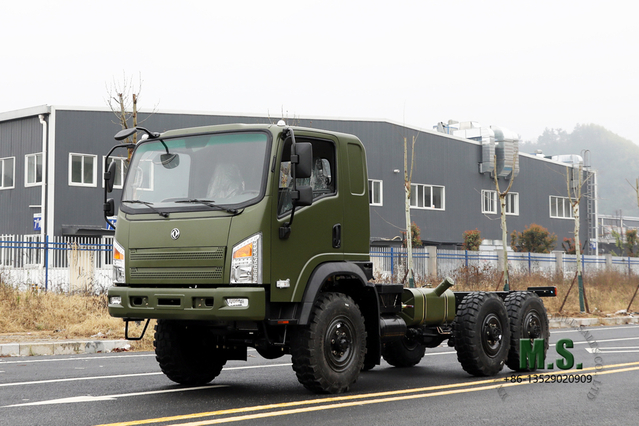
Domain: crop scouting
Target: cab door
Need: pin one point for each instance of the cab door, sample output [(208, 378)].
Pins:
[(315, 233)]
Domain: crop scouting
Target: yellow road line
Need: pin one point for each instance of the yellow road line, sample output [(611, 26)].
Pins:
[(361, 399)]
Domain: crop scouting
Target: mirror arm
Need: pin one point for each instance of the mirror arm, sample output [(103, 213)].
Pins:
[(106, 162), (285, 230)]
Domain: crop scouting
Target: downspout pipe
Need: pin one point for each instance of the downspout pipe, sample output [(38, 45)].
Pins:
[(43, 196)]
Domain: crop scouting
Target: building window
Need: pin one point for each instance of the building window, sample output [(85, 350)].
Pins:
[(560, 207), (488, 201), (7, 172), (375, 192), (120, 171), (512, 203), (82, 170), (33, 169), (427, 197)]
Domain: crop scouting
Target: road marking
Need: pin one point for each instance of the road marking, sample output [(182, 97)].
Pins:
[(330, 403), (119, 376), (114, 357), (615, 350), (89, 398), (589, 328), (601, 341)]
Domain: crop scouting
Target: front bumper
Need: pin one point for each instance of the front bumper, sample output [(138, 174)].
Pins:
[(187, 303)]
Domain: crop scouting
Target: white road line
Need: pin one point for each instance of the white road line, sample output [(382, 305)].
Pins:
[(602, 341), (114, 357), (89, 398), (590, 328), (119, 376)]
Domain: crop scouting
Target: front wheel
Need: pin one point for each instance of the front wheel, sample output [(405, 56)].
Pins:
[(328, 353), (184, 353), (482, 334)]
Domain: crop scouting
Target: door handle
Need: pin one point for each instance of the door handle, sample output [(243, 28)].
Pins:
[(337, 236)]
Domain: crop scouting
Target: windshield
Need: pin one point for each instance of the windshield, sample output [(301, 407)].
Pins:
[(196, 172)]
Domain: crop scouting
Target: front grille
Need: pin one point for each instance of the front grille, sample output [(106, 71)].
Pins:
[(156, 255), (176, 274)]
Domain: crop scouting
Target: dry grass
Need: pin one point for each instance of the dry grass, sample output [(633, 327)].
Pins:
[(606, 292), (61, 316)]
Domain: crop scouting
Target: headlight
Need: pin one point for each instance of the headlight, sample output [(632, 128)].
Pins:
[(246, 261), (118, 263)]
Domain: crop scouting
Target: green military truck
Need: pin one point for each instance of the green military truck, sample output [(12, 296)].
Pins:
[(238, 236)]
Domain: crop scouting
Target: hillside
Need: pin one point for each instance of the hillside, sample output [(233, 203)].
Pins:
[(614, 158)]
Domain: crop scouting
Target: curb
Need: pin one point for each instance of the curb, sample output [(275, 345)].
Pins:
[(63, 347)]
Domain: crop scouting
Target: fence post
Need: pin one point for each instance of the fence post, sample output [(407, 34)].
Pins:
[(559, 264), (608, 258), (432, 261), (46, 263), (392, 260)]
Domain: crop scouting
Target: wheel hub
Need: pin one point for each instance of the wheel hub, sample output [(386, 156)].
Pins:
[(492, 335)]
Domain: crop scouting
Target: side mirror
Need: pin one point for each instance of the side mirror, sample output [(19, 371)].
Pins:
[(304, 164), (109, 207), (124, 133), (109, 177), (304, 196), (170, 161)]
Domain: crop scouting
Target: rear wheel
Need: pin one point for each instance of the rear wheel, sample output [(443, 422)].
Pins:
[(328, 353), (184, 353), (404, 352), (528, 320), (482, 334)]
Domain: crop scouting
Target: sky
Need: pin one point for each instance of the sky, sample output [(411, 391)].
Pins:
[(526, 66)]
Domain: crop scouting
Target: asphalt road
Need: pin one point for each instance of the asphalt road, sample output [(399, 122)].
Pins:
[(129, 389)]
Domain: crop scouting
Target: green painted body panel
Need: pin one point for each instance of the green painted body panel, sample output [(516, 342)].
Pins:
[(423, 306)]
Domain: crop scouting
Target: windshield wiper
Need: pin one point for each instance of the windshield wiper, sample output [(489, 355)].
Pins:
[(210, 203), (149, 205)]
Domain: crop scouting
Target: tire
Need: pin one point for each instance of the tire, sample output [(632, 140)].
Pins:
[(328, 353), (482, 334), (185, 355), (528, 320), (404, 352)]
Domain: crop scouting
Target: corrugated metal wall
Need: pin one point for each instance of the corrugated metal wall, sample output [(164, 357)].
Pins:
[(439, 160)]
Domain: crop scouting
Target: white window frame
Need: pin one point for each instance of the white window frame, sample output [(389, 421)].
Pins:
[(565, 205), (2, 166), (414, 197), (512, 206), (120, 169), (371, 186), (95, 170), (490, 197), (27, 179)]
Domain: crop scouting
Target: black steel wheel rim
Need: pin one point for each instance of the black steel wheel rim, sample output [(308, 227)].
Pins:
[(491, 339), (339, 343), (532, 325)]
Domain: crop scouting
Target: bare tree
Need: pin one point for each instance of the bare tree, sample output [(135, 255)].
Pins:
[(574, 183), (408, 177), (502, 214), (122, 99)]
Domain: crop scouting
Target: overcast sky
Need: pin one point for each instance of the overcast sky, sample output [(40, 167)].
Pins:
[(522, 65)]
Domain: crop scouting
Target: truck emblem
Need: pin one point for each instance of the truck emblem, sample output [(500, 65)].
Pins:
[(175, 233)]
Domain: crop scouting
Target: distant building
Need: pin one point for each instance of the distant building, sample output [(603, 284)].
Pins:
[(52, 161)]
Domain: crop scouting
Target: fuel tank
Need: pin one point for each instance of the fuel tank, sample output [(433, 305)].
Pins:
[(428, 306)]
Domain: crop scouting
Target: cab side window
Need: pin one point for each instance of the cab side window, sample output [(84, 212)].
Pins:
[(322, 180)]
